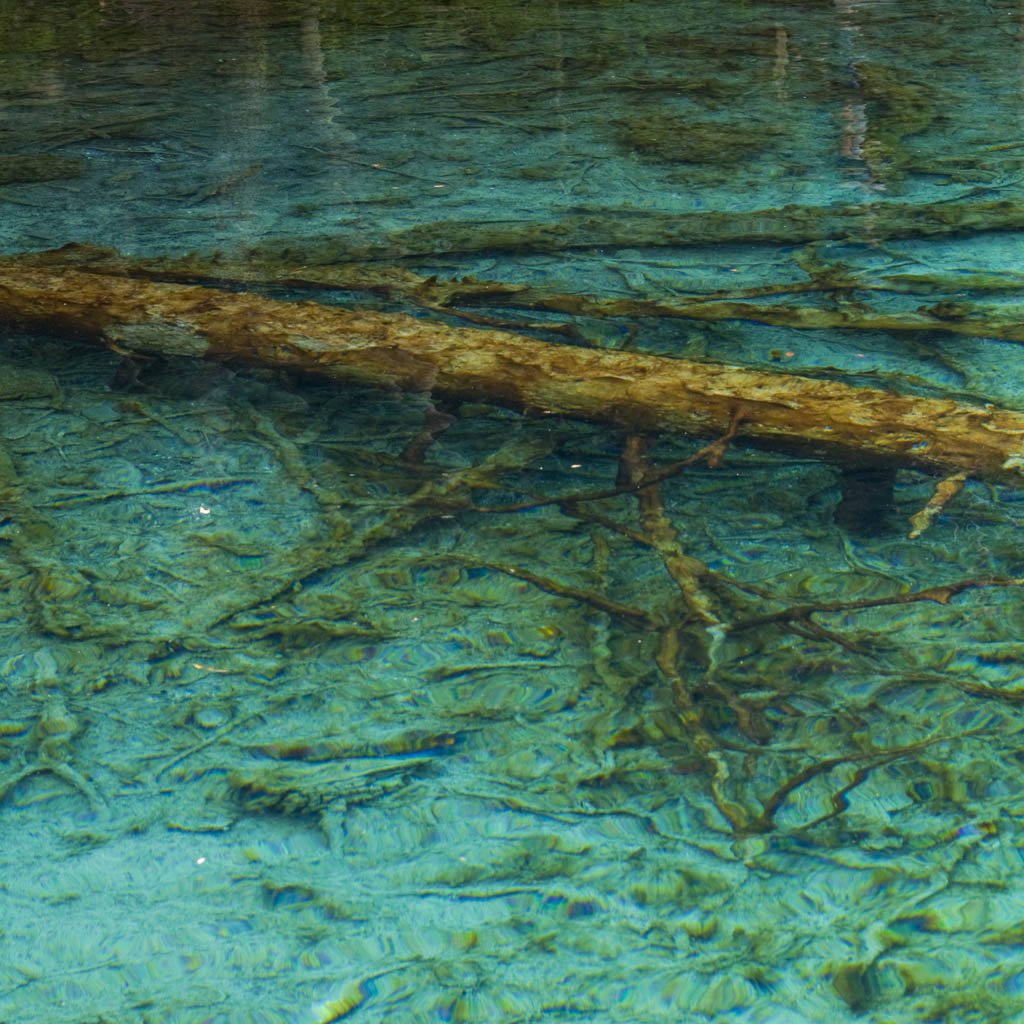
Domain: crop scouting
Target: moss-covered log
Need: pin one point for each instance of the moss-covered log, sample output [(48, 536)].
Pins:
[(639, 392)]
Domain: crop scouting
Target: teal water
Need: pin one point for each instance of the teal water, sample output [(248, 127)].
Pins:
[(304, 718)]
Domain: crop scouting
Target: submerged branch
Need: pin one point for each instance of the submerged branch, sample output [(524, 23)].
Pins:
[(941, 594), (844, 310), (603, 228)]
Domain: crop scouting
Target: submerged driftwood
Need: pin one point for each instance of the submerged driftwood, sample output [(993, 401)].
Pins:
[(634, 391), (768, 304), (604, 228)]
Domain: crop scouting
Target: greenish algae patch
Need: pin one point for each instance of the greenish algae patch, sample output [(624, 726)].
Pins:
[(671, 138)]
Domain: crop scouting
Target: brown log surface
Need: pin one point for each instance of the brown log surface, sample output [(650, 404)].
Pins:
[(630, 390)]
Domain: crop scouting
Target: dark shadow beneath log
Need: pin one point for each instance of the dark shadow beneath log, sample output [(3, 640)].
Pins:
[(866, 504)]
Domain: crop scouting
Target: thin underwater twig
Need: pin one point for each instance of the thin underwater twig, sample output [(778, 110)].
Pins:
[(941, 594)]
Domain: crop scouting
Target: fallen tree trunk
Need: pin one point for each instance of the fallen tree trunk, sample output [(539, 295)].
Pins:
[(637, 392)]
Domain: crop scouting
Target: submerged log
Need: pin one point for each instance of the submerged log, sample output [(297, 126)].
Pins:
[(638, 392), (457, 297), (609, 228)]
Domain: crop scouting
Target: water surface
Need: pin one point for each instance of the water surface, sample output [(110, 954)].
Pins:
[(312, 709)]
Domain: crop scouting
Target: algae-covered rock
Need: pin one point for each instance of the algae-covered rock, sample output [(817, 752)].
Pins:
[(29, 167)]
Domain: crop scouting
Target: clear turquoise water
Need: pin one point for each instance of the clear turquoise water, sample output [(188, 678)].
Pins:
[(287, 737)]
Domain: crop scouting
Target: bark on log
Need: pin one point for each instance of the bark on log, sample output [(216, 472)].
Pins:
[(637, 392)]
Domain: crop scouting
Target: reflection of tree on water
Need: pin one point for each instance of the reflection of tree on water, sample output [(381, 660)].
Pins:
[(854, 110)]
